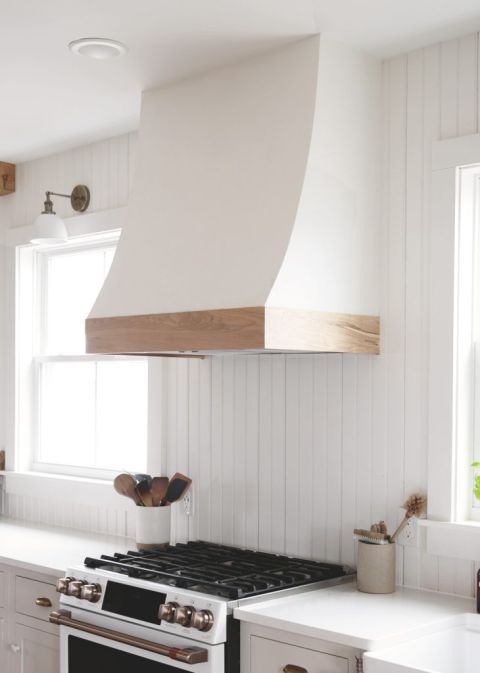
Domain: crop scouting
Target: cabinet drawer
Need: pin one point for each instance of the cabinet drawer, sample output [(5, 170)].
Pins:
[(270, 656), (26, 593)]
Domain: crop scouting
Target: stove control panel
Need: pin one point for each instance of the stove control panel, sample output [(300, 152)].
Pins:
[(183, 613), (69, 586), (186, 615)]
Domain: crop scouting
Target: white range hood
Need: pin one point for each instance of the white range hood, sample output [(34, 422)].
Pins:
[(253, 222)]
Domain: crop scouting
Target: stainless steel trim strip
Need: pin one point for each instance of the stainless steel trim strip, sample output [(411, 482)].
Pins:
[(187, 655)]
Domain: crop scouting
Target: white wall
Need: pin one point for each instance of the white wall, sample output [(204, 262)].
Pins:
[(289, 452), (106, 167)]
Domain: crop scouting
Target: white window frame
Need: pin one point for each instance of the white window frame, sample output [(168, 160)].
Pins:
[(453, 274), (38, 256), (19, 480)]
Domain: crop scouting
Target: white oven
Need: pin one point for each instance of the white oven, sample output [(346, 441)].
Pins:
[(122, 624), (98, 644)]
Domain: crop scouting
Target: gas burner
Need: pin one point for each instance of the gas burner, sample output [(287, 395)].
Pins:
[(219, 570)]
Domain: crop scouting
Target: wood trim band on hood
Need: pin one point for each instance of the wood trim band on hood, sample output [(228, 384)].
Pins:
[(237, 329)]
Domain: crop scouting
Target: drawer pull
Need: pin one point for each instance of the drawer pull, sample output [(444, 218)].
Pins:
[(43, 602), (15, 648), (289, 668)]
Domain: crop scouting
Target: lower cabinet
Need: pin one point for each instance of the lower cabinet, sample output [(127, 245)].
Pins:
[(28, 642), (3, 640), (267, 650), (3, 588), (270, 656), (34, 651)]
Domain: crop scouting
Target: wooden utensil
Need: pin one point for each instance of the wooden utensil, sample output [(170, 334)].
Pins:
[(158, 489), (177, 487), (415, 505), (142, 477), (143, 488), (125, 485), (139, 478)]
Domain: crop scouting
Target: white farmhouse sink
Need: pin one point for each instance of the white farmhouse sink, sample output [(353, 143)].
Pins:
[(451, 650)]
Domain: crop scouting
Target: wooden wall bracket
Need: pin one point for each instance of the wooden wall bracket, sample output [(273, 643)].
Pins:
[(7, 178)]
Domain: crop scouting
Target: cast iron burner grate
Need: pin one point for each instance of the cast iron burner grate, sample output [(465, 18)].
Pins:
[(219, 570)]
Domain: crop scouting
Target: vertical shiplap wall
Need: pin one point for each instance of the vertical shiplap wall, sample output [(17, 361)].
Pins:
[(289, 452), (294, 451), (106, 167)]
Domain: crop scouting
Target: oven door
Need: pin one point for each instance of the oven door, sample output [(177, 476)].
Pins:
[(106, 651)]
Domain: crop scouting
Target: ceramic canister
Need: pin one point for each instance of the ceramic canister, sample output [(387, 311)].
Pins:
[(152, 527), (376, 568)]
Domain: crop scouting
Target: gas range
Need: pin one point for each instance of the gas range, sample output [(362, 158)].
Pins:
[(180, 599)]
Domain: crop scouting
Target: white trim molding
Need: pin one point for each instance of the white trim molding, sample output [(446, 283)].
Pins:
[(82, 491), (451, 335), (458, 539)]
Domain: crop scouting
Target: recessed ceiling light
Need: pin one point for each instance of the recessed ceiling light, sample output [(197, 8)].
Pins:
[(97, 47)]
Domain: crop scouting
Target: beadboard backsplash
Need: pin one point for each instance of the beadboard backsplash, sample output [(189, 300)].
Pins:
[(289, 452)]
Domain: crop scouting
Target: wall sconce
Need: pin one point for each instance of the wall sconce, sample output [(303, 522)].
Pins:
[(48, 227)]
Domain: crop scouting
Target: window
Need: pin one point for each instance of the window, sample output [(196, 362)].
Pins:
[(468, 341), (88, 414), (454, 330)]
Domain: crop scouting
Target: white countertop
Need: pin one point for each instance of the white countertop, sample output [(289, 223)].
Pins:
[(345, 616), (52, 549), (338, 614)]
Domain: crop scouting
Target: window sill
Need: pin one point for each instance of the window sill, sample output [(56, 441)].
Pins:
[(453, 539), (58, 487)]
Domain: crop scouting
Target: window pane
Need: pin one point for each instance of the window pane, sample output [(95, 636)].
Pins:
[(92, 414), (67, 413), (73, 282), (122, 389)]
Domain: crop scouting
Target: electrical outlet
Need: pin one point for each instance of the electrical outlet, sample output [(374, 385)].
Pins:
[(188, 503), (409, 537)]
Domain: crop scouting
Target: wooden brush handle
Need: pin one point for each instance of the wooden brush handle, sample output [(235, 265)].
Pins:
[(400, 528)]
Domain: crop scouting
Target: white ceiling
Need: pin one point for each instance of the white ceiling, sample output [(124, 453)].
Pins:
[(52, 99)]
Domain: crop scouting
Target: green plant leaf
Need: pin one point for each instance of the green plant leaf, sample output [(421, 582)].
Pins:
[(476, 463)]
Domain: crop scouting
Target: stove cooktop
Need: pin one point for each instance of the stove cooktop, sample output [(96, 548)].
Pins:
[(219, 570)]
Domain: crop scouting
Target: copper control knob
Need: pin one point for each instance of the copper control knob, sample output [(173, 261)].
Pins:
[(91, 592), (166, 611), (202, 620), (62, 584), (75, 588), (183, 615)]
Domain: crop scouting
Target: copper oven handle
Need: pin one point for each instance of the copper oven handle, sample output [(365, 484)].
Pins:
[(289, 668), (187, 655)]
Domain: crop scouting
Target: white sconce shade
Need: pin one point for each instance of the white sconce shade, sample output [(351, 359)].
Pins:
[(49, 228)]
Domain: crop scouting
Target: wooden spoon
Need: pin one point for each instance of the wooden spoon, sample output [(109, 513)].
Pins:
[(125, 485), (177, 487), (143, 488), (158, 489)]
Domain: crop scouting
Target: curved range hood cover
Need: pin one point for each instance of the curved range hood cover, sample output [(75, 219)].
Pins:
[(253, 219)]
